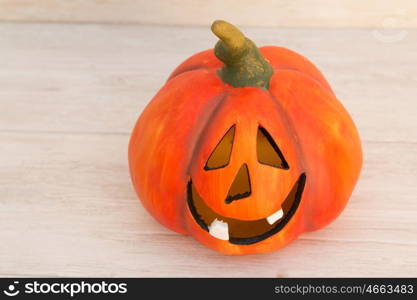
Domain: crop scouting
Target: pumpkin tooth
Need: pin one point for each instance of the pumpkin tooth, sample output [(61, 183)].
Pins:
[(275, 216), (219, 229)]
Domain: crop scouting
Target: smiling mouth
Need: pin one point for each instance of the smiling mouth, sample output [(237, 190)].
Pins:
[(241, 232)]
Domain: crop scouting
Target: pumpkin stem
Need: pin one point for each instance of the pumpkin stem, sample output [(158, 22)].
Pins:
[(244, 65)]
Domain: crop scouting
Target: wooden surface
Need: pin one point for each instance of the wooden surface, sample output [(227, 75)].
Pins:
[(69, 96), (282, 13)]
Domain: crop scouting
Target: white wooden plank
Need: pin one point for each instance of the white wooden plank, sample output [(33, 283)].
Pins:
[(68, 209), (281, 13), (95, 78)]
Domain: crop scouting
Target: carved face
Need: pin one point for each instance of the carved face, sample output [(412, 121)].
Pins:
[(236, 230), (247, 181)]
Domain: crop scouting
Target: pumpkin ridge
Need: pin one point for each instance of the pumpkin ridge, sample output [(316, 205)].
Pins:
[(201, 135), (190, 69), (277, 69), (291, 128)]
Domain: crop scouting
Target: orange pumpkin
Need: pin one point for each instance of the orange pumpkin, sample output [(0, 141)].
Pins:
[(244, 148)]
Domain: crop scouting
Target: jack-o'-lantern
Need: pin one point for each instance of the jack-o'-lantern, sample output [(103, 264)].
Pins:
[(244, 148)]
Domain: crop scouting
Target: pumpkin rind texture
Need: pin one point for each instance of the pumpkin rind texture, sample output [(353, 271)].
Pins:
[(185, 121)]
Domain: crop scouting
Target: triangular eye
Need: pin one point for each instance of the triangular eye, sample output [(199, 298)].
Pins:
[(220, 157), (268, 151)]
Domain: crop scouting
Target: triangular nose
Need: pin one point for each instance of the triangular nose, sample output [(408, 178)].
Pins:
[(240, 187)]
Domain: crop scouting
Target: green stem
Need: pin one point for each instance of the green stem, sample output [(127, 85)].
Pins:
[(244, 65)]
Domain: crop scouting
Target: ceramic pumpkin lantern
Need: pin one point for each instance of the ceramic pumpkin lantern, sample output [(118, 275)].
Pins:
[(244, 148)]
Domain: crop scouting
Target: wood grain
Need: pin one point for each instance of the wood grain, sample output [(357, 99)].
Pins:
[(281, 13), (69, 96)]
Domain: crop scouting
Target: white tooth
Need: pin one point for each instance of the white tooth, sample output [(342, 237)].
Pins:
[(275, 217), (219, 229)]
